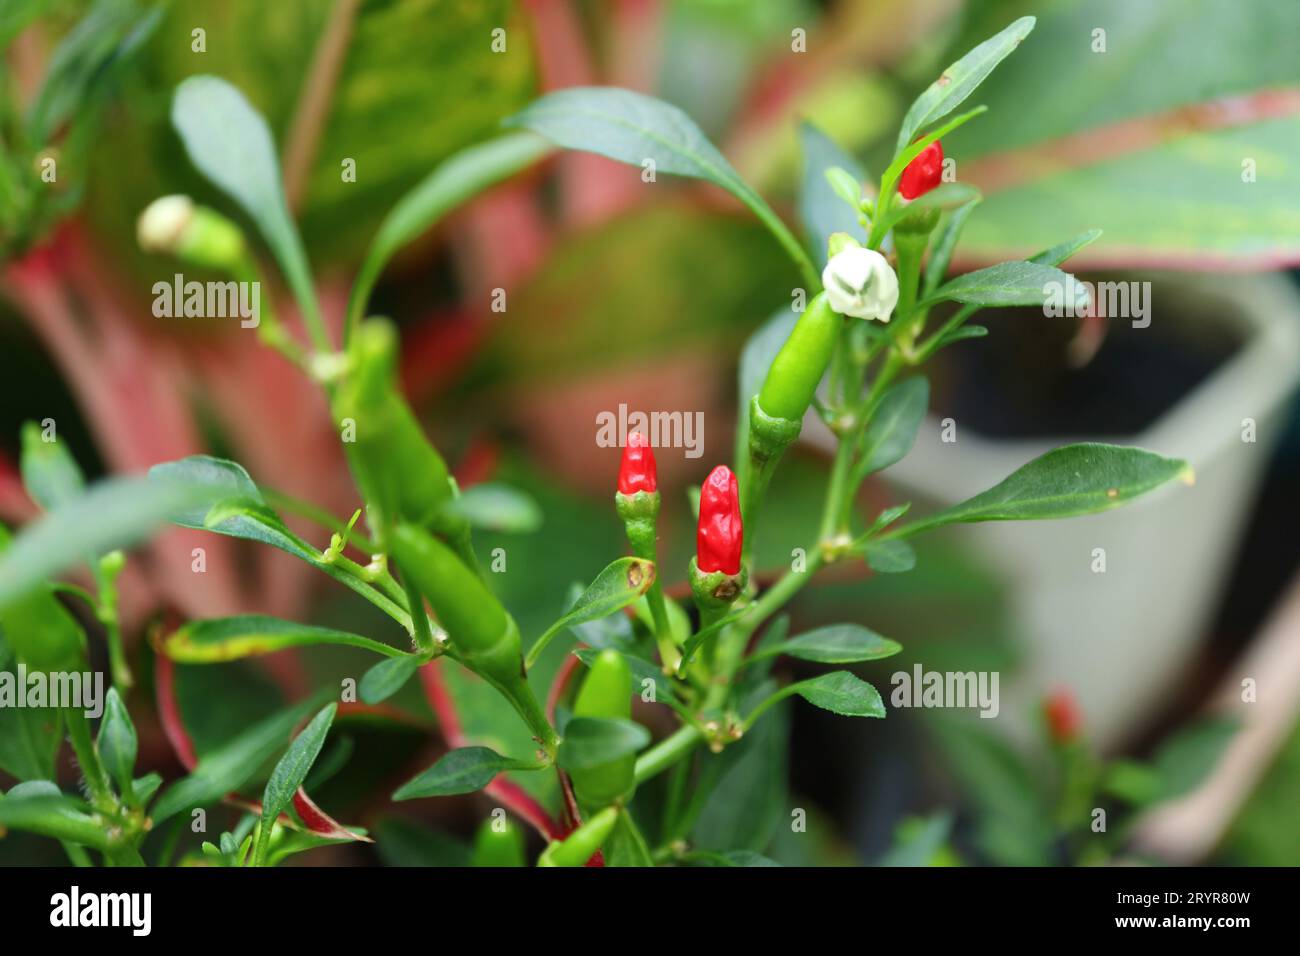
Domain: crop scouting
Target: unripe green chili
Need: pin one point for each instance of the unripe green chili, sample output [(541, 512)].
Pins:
[(606, 692), (583, 843), (800, 364), (401, 476), (484, 636), (776, 413), (498, 843)]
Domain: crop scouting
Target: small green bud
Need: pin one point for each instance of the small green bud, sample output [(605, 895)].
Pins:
[(174, 225), (583, 843)]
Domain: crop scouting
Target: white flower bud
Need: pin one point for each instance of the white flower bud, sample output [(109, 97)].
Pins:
[(860, 283), (163, 223)]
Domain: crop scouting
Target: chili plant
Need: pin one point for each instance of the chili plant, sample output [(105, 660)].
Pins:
[(850, 352)]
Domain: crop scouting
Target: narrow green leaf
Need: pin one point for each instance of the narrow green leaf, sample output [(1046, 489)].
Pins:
[(895, 169), (636, 129), (116, 513), (941, 253), (452, 182), (29, 741), (835, 644), (1007, 283), (117, 743), (841, 693), (962, 334), (889, 556), (229, 142), (945, 196), (230, 638), (617, 586), (39, 807), (594, 741), (388, 677), (145, 787), (824, 203), (233, 505), (1073, 480), (290, 773), (1059, 253), (51, 475), (37, 629), (497, 507), (894, 425), (459, 771), (960, 80), (231, 765)]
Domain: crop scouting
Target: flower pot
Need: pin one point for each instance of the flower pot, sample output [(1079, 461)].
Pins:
[(1121, 637)]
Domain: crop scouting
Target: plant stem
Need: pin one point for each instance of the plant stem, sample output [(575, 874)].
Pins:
[(83, 748), (667, 752)]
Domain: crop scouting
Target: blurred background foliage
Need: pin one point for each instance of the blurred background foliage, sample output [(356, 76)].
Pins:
[(624, 291)]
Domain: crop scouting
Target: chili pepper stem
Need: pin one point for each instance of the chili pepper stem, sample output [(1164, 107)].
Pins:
[(640, 512), (420, 631)]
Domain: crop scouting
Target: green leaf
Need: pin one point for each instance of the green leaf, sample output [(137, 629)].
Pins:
[(290, 773), (594, 741), (1062, 251), (1007, 283), (29, 741), (822, 204), (459, 771), (388, 677), (1188, 757), (452, 182), (960, 80), (633, 128), (617, 586), (944, 196), (894, 425), (145, 787), (229, 638), (50, 473), (233, 506), (919, 841), (39, 807), (228, 767), (889, 556), (835, 644), (15, 16), (841, 693), (229, 142), (895, 169), (963, 333), (117, 743), (402, 842), (745, 790), (497, 507), (941, 253), (1073, 480), (116, 513)]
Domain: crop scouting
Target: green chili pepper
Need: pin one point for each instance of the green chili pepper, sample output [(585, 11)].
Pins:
[(606, 692), (400, 475), (583, 843), (498, 843), (798, 368), (776, 412), (484, 637)]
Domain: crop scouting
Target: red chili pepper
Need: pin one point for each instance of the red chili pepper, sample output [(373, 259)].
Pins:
[(1063, 717), (637, 472), (720, 536), (923, 173)]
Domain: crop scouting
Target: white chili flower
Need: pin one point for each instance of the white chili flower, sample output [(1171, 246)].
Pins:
[(164, 222), (860, 283)]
